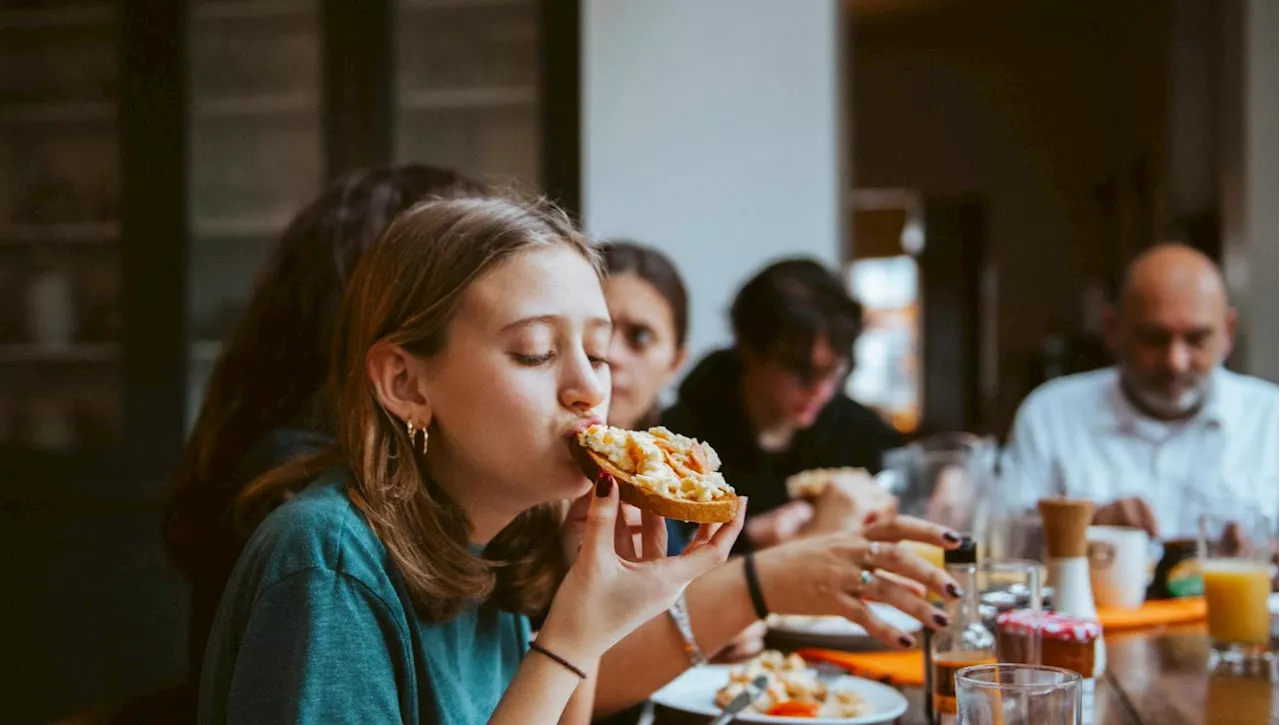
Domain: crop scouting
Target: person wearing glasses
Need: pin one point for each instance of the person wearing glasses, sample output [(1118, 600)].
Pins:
[(773, 404)]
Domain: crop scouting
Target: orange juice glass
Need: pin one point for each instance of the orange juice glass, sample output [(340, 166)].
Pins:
[(1235, 563)]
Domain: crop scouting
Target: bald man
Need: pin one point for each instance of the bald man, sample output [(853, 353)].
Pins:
[(1168, 433)]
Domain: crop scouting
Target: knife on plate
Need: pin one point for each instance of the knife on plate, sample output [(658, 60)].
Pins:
[(740, 702)]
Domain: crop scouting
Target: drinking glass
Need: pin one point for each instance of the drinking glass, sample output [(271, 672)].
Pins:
[(1009, 694), (1235, 551)]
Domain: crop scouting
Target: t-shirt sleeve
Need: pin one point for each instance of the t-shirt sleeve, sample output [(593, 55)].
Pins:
[(319, 646)]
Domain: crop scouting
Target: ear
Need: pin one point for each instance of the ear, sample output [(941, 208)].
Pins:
[(1230, 331), (396, 376), (1111, 328)]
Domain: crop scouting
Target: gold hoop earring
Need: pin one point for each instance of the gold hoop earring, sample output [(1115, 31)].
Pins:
[(413, 430)]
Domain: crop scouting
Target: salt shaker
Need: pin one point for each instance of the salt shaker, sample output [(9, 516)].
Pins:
[(1065, 523)]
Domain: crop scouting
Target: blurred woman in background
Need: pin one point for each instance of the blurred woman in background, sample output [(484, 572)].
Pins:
[(650, 310)]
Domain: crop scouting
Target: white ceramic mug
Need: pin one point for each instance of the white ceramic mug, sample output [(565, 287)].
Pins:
[(1118, 565)]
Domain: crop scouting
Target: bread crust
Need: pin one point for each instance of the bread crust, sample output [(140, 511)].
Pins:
[(701, 512)]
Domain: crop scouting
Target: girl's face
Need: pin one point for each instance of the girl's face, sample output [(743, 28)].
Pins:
[(523, 367), (644, 352)]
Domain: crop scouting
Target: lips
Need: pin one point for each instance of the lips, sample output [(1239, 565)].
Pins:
[(583, 424)]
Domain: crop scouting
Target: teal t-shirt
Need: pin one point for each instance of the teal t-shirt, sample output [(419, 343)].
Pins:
[(316, 626)]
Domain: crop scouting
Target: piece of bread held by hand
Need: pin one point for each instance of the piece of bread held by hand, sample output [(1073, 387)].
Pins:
[(809, 485), (663, 473)]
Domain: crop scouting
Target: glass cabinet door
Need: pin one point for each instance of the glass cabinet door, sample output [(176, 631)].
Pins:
[(467, 87), (60, 377), (255, 153)]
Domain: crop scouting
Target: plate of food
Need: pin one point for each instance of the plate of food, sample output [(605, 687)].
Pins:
[(795, 693), (796, 631), (661, 472)]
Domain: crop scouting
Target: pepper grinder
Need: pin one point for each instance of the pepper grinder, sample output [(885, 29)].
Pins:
[(1065, 523)]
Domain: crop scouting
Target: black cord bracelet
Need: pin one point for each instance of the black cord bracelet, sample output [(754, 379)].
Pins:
[(753, 586), (533, 645)]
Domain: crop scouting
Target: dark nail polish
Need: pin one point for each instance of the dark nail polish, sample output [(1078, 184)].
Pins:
[(955, 591), (951, 537), (941, 620), (905, 642), (604, 485)]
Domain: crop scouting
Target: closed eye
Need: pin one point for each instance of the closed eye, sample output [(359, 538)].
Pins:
[(533, 360)]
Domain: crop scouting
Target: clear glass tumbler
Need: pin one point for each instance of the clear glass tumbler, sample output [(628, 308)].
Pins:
[(1009, 694)]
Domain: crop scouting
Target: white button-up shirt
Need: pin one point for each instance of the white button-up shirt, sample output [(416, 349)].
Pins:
[(1080, 436)]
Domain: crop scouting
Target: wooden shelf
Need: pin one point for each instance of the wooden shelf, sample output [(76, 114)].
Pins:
[(57, 112), (75, 353), (85, 15), (71, 233), (447, 99), (251, 228), (266, 106), (253, 10)]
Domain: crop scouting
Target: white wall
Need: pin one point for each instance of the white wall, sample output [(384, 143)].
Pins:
[(1261, 191), (712, 130), (1247, 158)]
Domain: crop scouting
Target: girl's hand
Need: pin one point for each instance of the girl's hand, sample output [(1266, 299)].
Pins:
[(611, 588), (575, 527), (836, 574)]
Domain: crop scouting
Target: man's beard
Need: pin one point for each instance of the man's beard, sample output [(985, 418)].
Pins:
[(1166, 406)]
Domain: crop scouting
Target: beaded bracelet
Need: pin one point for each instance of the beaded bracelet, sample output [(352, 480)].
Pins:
[(680, 615)]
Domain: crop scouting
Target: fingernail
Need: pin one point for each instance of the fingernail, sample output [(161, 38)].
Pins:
[(906, 641), (955, 591), (941, 620), (604, 485), (951, 537)]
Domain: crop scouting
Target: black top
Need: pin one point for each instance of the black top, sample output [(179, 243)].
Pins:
[(711, 408)]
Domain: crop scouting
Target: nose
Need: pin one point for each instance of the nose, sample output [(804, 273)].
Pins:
[(1178, 357), (583, 387)]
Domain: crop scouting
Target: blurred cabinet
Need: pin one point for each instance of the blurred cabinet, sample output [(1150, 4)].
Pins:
[(255, 144), (467, 87), (60, 316), (152, 151)]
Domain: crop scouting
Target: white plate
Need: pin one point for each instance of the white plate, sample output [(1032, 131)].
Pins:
[(838, 632), (695, 692)]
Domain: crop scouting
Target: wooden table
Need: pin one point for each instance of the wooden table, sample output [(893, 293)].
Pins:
[(1154, 677), (1165, 679)]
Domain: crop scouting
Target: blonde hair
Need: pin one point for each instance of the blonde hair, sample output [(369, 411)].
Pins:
[(406, 290)]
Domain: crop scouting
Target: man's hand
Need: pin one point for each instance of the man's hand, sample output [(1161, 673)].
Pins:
[(849, 503), (1128, 512)]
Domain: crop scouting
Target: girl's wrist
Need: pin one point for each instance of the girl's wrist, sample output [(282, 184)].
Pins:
[(563, 635)]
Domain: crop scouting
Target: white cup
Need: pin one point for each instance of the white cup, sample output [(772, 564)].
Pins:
[(1118, 565)]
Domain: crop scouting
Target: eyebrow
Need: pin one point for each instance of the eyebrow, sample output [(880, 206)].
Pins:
[(604, 322)]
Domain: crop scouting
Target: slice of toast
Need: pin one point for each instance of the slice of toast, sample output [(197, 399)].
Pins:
[(663, 473), (809, 485)]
